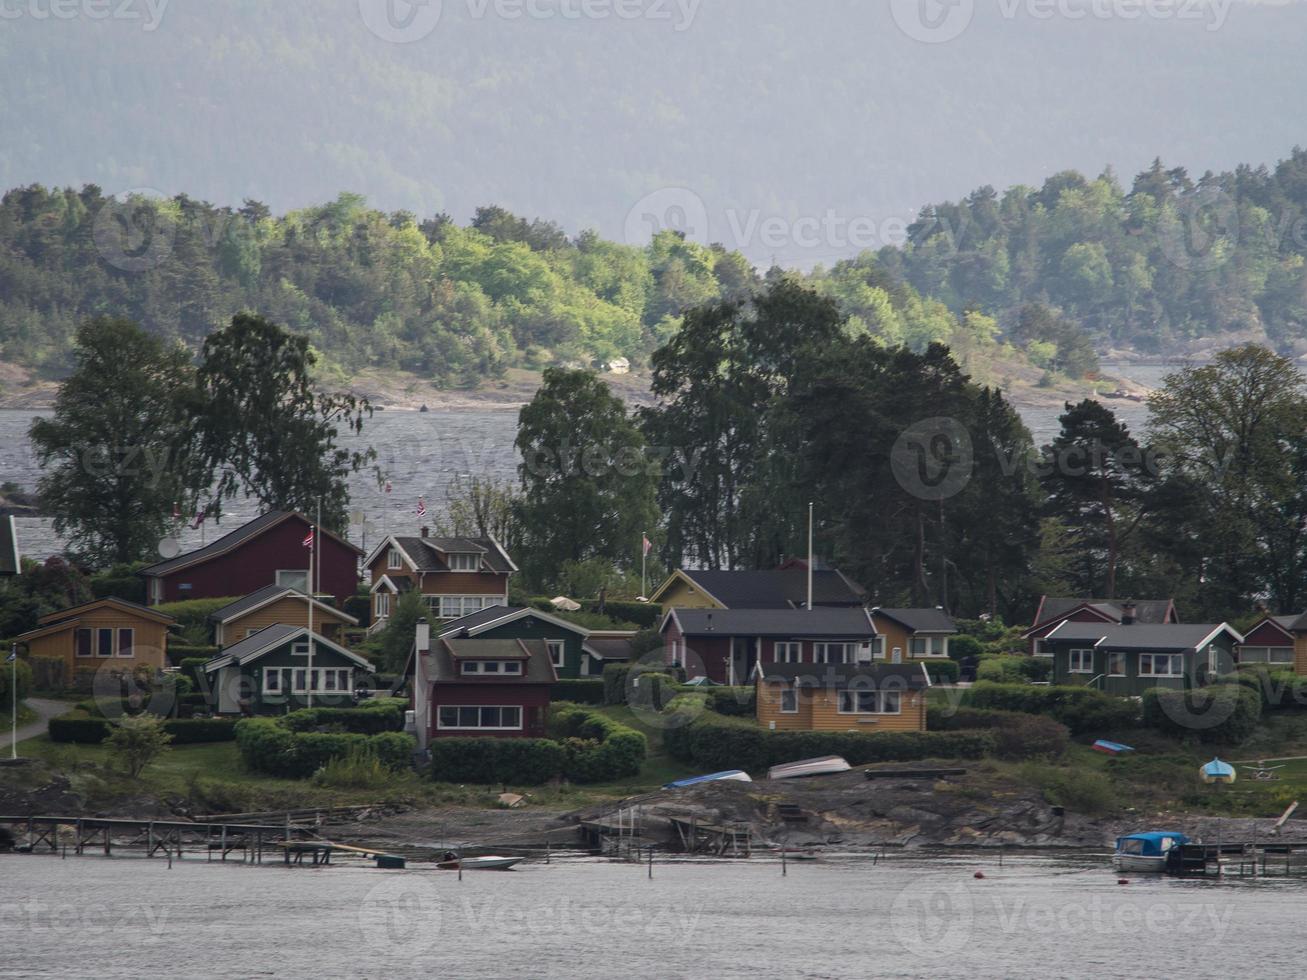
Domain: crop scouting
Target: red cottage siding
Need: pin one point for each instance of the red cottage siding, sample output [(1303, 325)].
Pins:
[(532, 698), (255, 563), (1079, 616), (1267, 635)]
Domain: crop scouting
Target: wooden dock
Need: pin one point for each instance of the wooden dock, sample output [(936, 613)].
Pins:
[(169, 838), (1261, 859)]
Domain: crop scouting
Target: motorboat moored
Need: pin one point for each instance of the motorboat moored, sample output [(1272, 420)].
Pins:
[(488, 862), (1147, 851)]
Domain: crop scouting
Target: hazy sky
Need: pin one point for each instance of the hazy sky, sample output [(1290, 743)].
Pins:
[(801, 129)]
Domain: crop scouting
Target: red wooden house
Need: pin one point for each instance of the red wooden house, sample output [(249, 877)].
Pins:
[(725, 645), (465, 686), (269, 550), (1053, 612), (1271, 641)]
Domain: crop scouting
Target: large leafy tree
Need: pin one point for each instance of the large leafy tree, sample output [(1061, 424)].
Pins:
[(1097, 478), (587, 483), (1235, 434), (117, 452), (266, 431)]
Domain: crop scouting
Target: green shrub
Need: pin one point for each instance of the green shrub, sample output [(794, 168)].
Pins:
[(180, 653), (192, 617), (119, 582), (1278, 690), (599, 749), (651, 690), (78, 727), (942, 671), (578, 691), (502, 761), (1083, 710), (190, 731), (370, 718), (962, 645), (615, 676), (714, 743), (268, 746), (1001, 670), (1080, 791), (1227, 713), (735, 702), (23, 670), (48, 674), (357, 769), (1017, 735)]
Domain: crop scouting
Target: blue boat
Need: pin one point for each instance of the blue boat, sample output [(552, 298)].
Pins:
[(1217, 771), (729, 776), (1146, 852), (1111, 748)]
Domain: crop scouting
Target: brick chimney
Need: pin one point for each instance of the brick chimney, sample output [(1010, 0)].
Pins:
[(426, 532), (1128, 611)]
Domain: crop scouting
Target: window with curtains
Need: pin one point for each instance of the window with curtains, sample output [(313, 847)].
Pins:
[(126, 642), (463, 563), (789, 653), (870, 703), (484, 717), (1082, 662), (789, 701)]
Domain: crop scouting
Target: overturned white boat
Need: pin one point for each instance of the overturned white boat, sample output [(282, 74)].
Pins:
[(825, 766)]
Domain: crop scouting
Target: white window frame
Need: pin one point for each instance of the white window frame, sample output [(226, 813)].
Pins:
[(300, 576), (881, 702), (300, 648), (1043, 648), (443, 606), (557, 652), (118, 642), (268, 674), (821, 652), (394, 560), (1077, 656), (918, 641), (113, 642), (789, 695), (1117, 657), (1151, 660), (1261, 654), (878, 647), (383, 605), (462, 562), (787, 652), (440, 722)]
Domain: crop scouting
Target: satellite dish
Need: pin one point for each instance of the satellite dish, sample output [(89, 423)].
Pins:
[(170, 548)]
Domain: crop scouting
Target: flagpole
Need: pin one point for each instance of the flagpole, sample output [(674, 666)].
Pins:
[(644, 561), (13, 695)]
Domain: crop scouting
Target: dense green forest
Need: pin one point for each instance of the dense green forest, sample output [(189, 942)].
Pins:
[(1171, 259), (369, 289)]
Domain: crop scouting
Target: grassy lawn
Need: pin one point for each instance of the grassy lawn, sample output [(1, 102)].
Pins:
[(25, 715)]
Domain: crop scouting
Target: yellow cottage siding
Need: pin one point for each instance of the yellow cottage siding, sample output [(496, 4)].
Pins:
[(288, 611), (895, 634), (1300, 654), (150, 642), (684, 595), (819, 712)]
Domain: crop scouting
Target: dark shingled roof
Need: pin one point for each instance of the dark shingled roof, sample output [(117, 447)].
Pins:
[(266, 594), (1146, 610), (10, 563), (439, 665), (610, 647), (426, 552), (232, 540), (470, 623), (776, 589), (822, 621), (920, 620), (272, 638), (1176, 637), (871, 677)]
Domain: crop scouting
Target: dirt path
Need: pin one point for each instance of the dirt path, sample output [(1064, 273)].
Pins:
[(45, 710)]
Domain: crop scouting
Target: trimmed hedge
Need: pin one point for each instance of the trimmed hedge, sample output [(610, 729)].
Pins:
[(599, 749), (736, 702), (87, 729), (7, 672), (615, 683), (47, 673), (1017, 735), (504, 761), (1014, 669), (370, 718), (180, 653), (941, 671), (1222, 713), (268, 746), (1278, 690), (578, 691), (714, 744), (642, 614), (1084, 710)]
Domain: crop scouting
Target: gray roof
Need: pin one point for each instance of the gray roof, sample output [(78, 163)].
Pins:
[(610, 647), (1177, 637), (232, 540), (776, 589), (268, 593), (487, 617), (871, 677), (273, 638), (924, 620), (439, 664), (10, 562), (822, 621), (1146, 610), (427, 552)]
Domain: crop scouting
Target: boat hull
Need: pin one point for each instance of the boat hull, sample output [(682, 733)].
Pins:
[(480, 864), (1139, 863), (809, 767)]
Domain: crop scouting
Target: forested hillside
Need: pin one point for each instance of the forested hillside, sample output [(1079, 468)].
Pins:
[(450, 303), (1170, 259)]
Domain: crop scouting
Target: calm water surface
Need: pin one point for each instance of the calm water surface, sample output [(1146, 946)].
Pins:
[(907, 916), (422, 452)]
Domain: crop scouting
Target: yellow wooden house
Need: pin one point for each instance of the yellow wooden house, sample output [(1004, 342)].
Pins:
[(106, 631), (272, 605), (842, 697)]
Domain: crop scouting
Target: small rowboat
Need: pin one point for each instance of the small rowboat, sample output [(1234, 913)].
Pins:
[(1110, 748), (825, 766), (1217, 771), (730, 776), (489, 862)]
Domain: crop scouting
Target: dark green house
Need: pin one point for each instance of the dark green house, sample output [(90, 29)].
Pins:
[(566, 641), (1130, 658), (276, 669)]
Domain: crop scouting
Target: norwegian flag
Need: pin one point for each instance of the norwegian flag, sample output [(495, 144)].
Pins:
[(199, 519), (648, 545), (176, 511), (388, 487), (308, 539), (422, 507)]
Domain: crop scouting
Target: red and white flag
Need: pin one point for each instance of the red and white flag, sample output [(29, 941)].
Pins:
[(422, 507), (308, 539), (176, 511), (199, 519), (388, 486), (648, 545)]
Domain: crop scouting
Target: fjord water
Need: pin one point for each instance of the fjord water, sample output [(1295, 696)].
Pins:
[(420, 452), (906, 915)]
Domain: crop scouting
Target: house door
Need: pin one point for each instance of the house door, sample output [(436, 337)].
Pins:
[(744, 654), (896, 655), (229, 690)]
